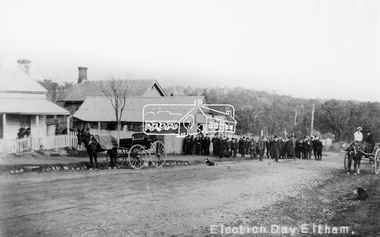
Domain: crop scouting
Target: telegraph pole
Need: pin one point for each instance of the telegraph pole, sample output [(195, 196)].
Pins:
[(312, 121)]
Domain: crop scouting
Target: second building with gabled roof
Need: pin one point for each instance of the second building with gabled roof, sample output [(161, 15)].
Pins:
[(85, 88)]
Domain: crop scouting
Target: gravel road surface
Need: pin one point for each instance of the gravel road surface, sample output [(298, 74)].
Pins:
[(170, 201)]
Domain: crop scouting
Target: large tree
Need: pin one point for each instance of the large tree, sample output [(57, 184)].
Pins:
[(116, 92)]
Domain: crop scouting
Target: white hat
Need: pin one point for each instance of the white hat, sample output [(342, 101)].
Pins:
[(359, 128)]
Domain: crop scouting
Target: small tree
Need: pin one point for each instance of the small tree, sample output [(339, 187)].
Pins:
[(116, 92), (56, 93)]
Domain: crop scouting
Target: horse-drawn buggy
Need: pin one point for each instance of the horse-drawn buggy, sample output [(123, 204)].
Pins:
[(136, 152), (354, 153), (141, 150)]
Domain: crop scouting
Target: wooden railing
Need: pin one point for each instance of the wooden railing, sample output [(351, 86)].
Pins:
[(14, 145)]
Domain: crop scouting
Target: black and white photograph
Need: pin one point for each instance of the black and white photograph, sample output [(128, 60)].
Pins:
[(188, 118)]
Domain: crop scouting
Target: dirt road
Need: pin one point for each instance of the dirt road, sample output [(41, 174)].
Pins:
[(182, 201)]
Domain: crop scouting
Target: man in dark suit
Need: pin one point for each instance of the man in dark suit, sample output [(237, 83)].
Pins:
[(282, 148), (261, 148), (206, 145), (268, 144), (247, 142), (203, 145), (197, 143), (186, 142), (191, 145), (220, 147), (370, 141), (242, 147), (276, 148), (314, 142), (306, 149), (227, 146), (234, 147), (289, 148), (294, 143), (299, 148), (215, 143), (252, 149), (318, 146)]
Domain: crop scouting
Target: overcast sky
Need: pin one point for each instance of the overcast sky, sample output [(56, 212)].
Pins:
[(311, 49)]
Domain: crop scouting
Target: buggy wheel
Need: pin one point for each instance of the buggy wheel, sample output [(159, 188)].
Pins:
[(346, 162), (137, 156), (122, 156), (377, 161), (157, 154)]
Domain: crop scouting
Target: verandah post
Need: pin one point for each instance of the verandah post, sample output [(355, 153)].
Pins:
[(68, 130), (4, 125), (38, 132)]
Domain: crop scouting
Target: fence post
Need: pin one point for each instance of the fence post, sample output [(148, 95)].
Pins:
[(68, 130), (4, 126)]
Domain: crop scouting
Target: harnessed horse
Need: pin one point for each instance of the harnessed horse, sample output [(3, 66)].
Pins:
[(93, 147), (355, 152)]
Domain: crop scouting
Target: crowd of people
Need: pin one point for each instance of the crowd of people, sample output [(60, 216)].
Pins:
[(254, 147)]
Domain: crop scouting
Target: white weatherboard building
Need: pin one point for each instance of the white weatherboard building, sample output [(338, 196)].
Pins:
[(24, 103)]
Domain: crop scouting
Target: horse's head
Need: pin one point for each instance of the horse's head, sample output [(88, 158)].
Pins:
[(83, 137), (351, 147), (79, 136)]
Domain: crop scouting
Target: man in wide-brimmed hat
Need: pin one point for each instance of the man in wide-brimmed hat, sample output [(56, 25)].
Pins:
[(358, 135)]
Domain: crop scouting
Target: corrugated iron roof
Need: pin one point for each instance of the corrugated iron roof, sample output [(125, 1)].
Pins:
[(88, 88), (99, 109), (30, 106), (16, 80)]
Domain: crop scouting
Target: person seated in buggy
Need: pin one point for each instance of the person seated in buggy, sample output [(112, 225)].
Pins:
[(365, 146), (370, 141), (358, 135)]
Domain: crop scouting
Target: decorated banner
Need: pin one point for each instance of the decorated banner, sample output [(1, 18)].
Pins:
[(188, 119)]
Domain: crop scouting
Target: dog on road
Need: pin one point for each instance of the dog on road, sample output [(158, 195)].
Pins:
[(209, 163), (362, 194)]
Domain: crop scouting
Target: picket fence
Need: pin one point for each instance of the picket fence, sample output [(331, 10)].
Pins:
[(7, 146), (33, 143)]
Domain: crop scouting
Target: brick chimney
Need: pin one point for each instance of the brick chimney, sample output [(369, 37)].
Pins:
[(24, 64), (82, 74)]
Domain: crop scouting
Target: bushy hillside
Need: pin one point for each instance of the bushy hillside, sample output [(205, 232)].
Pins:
[(275, 114)]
